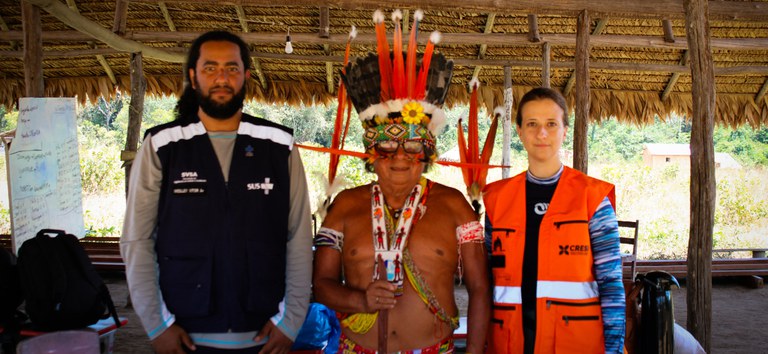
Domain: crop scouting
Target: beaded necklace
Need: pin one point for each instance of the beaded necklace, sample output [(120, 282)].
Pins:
[(389, 239)]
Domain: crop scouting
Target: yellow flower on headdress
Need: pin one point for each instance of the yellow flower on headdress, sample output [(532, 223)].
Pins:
[(413, 113)]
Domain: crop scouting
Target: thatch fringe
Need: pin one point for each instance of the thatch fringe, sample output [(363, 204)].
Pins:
[(633, 107)]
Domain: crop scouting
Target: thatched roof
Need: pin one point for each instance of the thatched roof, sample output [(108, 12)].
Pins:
[(631, 64)]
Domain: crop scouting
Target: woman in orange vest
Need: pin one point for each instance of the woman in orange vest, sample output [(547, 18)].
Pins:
[(554, 246)]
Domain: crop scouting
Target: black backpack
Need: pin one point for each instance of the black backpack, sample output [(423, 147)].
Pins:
[(61, 288), (10, 287)]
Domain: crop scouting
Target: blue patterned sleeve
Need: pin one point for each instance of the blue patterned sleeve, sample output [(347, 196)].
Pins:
[(604, 236)]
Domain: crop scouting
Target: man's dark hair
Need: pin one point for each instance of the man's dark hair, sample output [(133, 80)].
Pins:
[(542, 93), (187, 105)]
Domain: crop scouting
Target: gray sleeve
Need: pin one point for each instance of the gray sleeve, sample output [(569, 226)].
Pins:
[(298, 277), (137, 244)]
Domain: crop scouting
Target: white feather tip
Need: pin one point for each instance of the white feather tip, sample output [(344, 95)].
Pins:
[(397, 15), (418, 15), (353, 32), (474, 83), (435, 37), (378, 16), (499, 111)]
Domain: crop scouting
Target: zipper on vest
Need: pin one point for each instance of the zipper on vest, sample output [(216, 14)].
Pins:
[(580, 318), (558, 223), (575, 304)]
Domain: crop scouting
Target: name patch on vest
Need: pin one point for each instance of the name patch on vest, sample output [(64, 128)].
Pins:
[(265, 186), (573, 250), (189, 184)]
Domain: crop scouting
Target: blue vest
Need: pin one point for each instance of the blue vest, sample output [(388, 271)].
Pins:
[(221, 247)]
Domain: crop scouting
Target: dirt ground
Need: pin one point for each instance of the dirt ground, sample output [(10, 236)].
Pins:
[(739, 317)]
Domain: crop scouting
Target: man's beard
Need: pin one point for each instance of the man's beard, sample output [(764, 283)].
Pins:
[(217, 110)]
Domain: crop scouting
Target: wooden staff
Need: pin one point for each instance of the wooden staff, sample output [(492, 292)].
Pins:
[(383, 315)]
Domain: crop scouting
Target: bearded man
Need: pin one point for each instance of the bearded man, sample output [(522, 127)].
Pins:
[(217, 237)]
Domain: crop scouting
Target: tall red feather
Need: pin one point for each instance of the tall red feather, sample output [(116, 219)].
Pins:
[(385, 65), (411, 60), (398, 71)]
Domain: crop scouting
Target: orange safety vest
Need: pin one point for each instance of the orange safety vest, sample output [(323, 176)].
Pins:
[(568, 312)]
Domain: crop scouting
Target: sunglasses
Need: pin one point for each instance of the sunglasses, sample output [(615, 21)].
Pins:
[(389, 147)]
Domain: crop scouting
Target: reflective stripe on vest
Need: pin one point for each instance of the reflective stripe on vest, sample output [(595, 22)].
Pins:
[(566, 290)]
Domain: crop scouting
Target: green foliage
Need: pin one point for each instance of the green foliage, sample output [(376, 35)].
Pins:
[(8, 119)]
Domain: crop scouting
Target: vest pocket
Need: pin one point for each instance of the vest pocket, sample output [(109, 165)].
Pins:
[(578, 326), (500, 244), (266, 274), (505, 333), (186, 285)]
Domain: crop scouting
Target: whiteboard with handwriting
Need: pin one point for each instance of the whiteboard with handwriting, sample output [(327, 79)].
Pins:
[(46, 189)]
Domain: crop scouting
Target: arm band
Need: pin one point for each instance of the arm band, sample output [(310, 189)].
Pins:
[(470, 232), (329, 238)]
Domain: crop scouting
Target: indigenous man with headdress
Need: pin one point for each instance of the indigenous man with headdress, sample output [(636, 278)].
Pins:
[(399, 295)]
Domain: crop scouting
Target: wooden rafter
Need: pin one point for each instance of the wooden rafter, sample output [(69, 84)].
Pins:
[(653, 42), (256, 71), (121, 16), (669, 36), (4, 27), (483, 47), (323, 31), (241, 17), (675, 76), (82, 24), (598, 29), (533, 28), (167, 16), (99, 57), (749, 10), (545, 64), (581, 107), (762, 92), (33, 47)]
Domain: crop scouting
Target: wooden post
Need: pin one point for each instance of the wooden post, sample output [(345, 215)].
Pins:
[(135, 113), (545, 65), (33, 50), (703, 189), (506, 122), (580, 125), (121, 17)]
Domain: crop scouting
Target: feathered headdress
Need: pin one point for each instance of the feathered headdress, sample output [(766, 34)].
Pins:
[(476, 161), (395, 97)]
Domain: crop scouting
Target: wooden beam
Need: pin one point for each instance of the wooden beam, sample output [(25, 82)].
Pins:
[(99, 57), (406, 18), (762, 92), (601, 23), (325, 28), (669, 36), (703, 185), (256, 70), (328, 69), (533, 28), (107, 68), (4, 27), (135, 112), (33, 48), (545, 64), (637, 67), (241, 17), (741, 10), (581, 122), (82, 24), (505, 39), (121, 16), (167, 16), (506, 123), (674, 78), (483, 47)]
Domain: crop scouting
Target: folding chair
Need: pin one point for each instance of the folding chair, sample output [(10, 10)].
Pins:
[(630, 258)]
